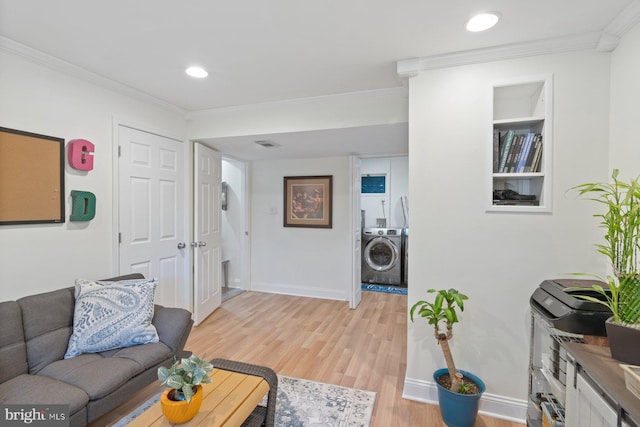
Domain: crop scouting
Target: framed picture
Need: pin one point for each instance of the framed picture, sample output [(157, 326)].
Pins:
[(31, 178), (307, 201)]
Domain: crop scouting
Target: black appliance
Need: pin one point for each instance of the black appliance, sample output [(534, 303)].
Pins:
[(556, 302), (558, 316)]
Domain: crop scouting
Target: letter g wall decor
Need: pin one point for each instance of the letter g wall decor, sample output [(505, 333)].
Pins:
[(80, 156)]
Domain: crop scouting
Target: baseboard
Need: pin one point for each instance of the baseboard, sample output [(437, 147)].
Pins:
[(298, 291), (493, 405)]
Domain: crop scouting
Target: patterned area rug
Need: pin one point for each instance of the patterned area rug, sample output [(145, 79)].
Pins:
[(304, 403), (384, 288)]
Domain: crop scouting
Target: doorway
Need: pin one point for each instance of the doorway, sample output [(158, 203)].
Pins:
[(235, 232), (385, 218)]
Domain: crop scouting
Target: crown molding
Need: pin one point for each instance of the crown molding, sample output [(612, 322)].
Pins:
[(12, 47), (399, 92), (411, 67), (625, 20)]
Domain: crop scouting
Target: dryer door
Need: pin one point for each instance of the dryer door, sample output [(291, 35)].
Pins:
[(381, 254)]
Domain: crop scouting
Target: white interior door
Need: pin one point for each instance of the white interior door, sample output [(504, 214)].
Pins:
[(356, 233), (207, 232), (152, 213)]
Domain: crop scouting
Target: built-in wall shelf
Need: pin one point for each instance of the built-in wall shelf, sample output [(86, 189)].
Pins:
[(521, 140)]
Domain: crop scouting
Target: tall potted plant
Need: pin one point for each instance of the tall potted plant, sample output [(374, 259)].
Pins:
[(459, 391), (621, 222)]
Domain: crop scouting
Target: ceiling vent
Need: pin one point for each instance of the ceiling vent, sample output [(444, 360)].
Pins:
[(266, 143)]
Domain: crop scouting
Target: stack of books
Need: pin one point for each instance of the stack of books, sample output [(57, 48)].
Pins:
[(516, 153)]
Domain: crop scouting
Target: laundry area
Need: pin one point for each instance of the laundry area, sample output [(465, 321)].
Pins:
[(385, 221)]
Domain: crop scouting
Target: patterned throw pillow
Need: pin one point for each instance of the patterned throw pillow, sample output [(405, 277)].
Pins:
[(112, 315)]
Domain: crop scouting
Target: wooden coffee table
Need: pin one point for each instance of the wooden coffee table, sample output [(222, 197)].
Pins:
[(228, 401)]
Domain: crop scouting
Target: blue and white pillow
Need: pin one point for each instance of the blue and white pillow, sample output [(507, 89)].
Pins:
[(112, 315)]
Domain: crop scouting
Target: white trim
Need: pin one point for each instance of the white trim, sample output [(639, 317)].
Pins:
[(311, 292), (355, 233), (33, 55), (394, 91), (625, 20), (410, 67), (493, 405), (115, 198)]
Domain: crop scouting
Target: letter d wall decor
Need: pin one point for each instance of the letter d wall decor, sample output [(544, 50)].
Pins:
[(83, 206)]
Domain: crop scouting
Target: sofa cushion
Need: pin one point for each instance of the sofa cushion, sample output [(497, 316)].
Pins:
[(112, 315), (146, 356), (47, 320), (30, 389), (13, 348), (96, 375)]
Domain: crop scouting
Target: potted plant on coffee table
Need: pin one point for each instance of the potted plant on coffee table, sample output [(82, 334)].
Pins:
[(459, 391), (183, 397), (621, 222)]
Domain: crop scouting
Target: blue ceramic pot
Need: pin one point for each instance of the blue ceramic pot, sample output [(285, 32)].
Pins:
[(458, 410)]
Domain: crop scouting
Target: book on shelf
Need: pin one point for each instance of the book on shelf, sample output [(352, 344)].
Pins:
[(512, 160), (538, 157), (528, 165), (506, 147), (496, 150)]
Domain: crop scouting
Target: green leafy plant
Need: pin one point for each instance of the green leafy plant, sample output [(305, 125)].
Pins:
[(625, 309), (184, 375), (621, 222), (465, 387), (442, 313)]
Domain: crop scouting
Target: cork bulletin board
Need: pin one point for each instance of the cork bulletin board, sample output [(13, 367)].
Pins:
[(31, 178)]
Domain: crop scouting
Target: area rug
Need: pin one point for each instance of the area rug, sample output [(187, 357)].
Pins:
[(304, 403), (384, 288)]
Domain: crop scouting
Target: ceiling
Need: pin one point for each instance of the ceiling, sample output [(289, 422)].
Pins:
[(378, 140), (267, 51)]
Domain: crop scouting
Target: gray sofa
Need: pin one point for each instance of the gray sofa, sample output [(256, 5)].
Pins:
[(34, 333)]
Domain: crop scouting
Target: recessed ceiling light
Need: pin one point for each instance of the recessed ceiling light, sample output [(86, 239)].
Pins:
[(197, 72), (482, 21)]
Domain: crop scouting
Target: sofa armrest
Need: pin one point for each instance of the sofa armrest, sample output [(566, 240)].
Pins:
[(173, 326)]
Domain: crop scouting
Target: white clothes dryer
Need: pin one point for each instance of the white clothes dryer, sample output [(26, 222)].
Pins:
[(382, 256)]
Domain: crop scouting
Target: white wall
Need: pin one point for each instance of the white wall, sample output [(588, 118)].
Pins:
[(497, 259), (35, 258), (233, 225), (299, 261), (396, 170), (625, 112)]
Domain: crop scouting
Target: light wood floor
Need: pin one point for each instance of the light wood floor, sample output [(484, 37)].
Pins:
[(320, 340)]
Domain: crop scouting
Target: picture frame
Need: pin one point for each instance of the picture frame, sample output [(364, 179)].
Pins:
[(32, 169), (308, 201)]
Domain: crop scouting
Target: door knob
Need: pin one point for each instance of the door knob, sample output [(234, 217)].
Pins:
[(181, 245), (202, 243)]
